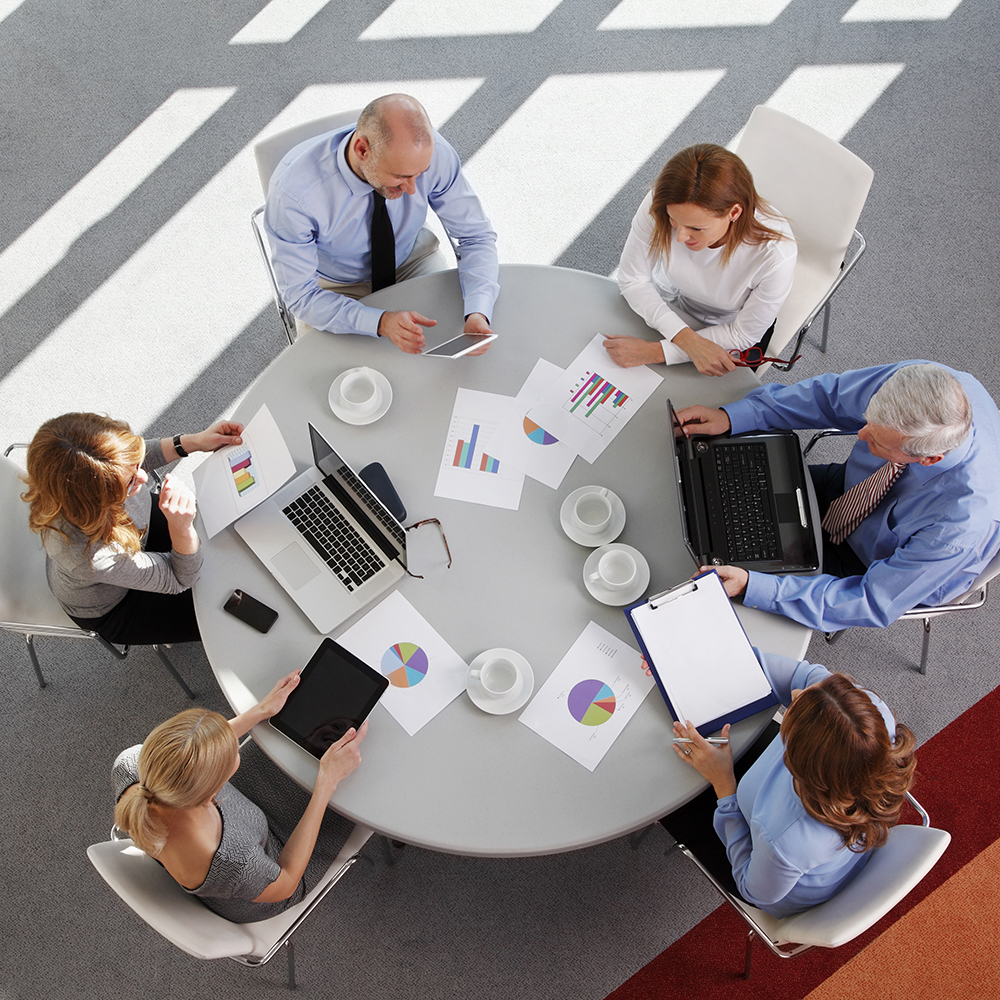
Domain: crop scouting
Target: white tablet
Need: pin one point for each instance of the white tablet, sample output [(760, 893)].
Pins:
[(460, 345)]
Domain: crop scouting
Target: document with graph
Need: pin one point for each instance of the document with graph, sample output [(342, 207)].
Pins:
[(233, 480), (587, 406), (468, 471)]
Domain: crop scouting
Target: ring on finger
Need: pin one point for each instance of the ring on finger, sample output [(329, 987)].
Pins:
[(687, 753)]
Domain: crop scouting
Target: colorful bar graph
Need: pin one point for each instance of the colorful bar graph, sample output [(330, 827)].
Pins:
[(489, 464), (241, 465), (466, 449), (596, 391)]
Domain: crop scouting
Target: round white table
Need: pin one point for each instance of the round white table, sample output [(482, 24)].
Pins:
[(469, 782)]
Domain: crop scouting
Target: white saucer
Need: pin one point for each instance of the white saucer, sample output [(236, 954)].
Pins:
[(349, 416), (609, 534), (616, 598), (500, 706)]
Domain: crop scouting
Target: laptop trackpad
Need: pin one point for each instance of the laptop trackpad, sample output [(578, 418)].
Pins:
[(788, 507), (295, 566)]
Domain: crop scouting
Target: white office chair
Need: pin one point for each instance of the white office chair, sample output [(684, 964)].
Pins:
[(27, 606), (891, 872), (184, 921), (821, 188), (972, 599)]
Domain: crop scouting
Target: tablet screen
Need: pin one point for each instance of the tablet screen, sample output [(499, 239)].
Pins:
[(336, 691), (460, 345)]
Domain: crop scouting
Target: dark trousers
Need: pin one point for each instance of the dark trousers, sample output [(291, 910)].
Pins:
[(691, 825), (838, 560), (142, 617)]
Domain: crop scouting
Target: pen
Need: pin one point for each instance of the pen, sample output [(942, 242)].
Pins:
[(716, 741)]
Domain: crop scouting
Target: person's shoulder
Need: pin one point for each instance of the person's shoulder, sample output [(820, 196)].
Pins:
[(309, 162)]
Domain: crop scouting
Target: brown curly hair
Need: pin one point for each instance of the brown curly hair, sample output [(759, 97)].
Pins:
[(848, 773), (79, 469), (714, 179)]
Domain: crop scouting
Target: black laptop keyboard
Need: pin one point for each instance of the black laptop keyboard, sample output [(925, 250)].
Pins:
[(744, 492), (336, 540), (374, 506)]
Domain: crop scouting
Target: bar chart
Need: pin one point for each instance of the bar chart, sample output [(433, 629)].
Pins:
[(595, 400), (241, 465), (465, 452)]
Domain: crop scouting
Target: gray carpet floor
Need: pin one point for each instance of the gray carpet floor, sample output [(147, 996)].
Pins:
[(121, 293)]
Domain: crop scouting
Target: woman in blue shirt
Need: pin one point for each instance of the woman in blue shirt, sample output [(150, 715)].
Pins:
[(804, 818)]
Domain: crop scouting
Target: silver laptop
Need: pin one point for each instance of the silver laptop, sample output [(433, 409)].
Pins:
[(327, 539)]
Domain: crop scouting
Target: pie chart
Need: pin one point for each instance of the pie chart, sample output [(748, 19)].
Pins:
[(538, 434), (405, 664), (591, 702)]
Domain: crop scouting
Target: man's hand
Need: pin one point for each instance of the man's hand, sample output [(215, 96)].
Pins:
[(734, 579), (703, 420), (478, 325), (708, 357), (405, 329), (627, 352)]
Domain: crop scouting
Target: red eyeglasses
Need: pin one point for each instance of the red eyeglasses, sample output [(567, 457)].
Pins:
[(752, 357)]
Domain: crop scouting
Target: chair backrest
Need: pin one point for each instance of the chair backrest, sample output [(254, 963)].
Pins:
[(268, 152), (25, 597), (891, 873), (181, 918), (821, 188)]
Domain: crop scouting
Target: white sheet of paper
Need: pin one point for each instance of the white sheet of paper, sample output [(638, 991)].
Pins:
[(233, 480), (701, 653), (594, 398), (590, 696), (468, 471), (425, 673), (526, 445)]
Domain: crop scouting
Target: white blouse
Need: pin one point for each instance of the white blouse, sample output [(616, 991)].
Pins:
[(732, 305)]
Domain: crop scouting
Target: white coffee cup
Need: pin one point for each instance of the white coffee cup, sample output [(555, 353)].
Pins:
[(616, 570), (359, 392), (592, 511), (498, 676)]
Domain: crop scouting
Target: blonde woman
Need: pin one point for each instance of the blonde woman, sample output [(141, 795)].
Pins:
[(175, 800), (707, 264), (117, 563)]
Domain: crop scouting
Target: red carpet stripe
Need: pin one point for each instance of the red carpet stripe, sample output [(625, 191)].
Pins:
[(956, 774)]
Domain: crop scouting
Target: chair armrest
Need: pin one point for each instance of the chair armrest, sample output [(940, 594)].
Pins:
[(819, 435)]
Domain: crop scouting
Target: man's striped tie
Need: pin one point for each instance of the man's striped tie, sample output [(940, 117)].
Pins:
[(849, 510)]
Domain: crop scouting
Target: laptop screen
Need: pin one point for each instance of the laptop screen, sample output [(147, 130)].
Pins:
[(680, 461)]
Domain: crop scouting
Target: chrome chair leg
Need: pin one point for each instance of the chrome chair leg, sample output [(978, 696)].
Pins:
[(749, 955), (177, 677), (826, 325), (925, 646), (290, 952), (29, 641)]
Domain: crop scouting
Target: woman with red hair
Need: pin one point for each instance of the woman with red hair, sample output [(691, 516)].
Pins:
[(707, 264), (808, 811)]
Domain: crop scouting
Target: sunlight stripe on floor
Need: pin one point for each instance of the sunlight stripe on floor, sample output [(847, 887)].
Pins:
[(449, 18), (557, 161), (185, 294), (831, 99), (43, 244), (901, 10), (639, 14), (279, 21)]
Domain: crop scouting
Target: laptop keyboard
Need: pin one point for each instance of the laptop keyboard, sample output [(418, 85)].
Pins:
[(336, 540), (744, 491), (374, 506)]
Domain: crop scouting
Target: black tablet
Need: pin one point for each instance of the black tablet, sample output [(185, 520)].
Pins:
[(336, 691)]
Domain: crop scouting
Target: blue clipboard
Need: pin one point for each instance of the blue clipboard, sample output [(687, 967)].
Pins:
[(727, 635)]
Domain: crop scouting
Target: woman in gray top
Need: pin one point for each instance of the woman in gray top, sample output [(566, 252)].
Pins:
[(117, 563), (175, 800)]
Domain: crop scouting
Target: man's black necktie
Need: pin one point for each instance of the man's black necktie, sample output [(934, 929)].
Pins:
[(383, 246)]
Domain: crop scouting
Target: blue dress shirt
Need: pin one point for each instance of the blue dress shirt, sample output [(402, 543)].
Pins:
[(783, 859), (318, 221), (928, 539)]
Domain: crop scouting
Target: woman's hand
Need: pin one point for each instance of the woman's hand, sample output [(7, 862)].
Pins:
[(715, 764), (708, 357), (274, 701), (341, 759), (627, 352), (221, 434), (178, 506)]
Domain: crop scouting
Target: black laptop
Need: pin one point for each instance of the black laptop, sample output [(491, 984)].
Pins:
[(744, 500)]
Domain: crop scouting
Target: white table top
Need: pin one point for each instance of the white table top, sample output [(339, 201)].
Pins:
[(468, 782)]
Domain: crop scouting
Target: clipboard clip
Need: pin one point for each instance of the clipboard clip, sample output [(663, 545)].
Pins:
[(681, 590)]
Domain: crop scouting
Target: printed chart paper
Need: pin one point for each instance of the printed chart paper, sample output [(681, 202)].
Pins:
[(425, 673), (524, 443), (590, 696), (587, 406), (468, 471), (233, 480)]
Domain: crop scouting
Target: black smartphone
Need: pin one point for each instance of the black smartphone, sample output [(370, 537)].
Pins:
[(248, 609)]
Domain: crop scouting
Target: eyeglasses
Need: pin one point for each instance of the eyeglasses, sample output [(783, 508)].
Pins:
[(752, 357), (444, 538)]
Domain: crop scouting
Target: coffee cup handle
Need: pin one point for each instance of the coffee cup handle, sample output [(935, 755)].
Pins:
[(594, 577), (476, 672)]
